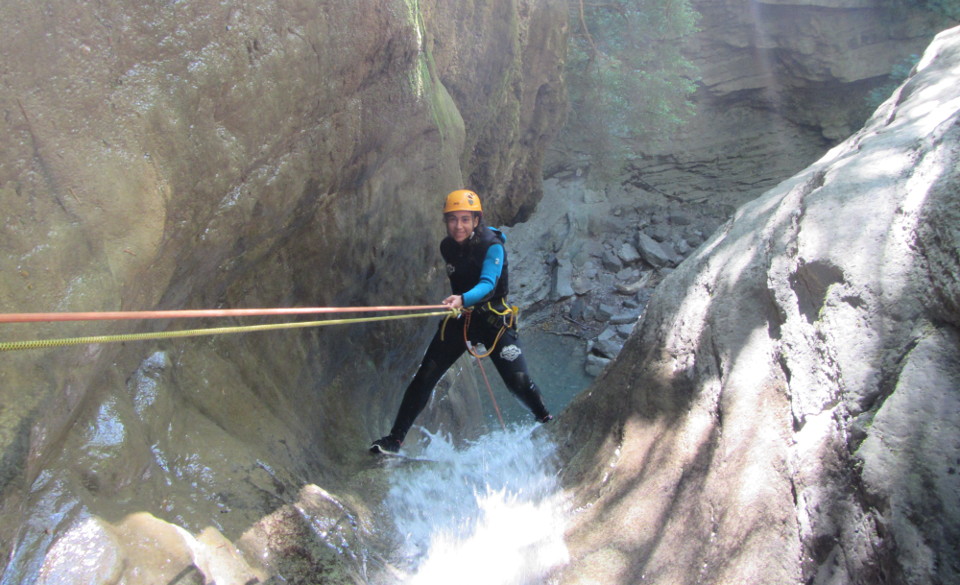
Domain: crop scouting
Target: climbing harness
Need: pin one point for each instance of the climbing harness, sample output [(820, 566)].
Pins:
[(507, 319), (105, 316)]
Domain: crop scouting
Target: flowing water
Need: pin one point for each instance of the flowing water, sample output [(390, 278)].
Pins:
[(490, 513)]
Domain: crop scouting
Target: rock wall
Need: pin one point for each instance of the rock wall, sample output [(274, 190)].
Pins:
[(781, 82), (786, 411), (201, 154)]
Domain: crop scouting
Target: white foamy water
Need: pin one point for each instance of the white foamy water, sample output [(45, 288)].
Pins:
[(491, 513)]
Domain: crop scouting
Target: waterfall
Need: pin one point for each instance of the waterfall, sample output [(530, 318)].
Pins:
[(490, 513)]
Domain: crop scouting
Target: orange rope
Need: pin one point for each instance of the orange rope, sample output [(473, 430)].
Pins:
[(496, 407), (496, 340), (195, 313)]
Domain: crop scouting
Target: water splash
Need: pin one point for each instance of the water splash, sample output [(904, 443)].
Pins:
[(491, 513)]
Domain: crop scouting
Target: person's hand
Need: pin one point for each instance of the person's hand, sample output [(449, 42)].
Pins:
[(454, 302)]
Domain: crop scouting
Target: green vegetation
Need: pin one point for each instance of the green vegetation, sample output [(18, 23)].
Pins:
[(628, 81)]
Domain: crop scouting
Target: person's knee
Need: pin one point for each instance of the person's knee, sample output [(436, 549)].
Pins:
[(510, 353), (519, 382), (429, 372)]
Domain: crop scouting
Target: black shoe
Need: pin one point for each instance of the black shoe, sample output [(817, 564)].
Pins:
[(545, 419), (387, 446)]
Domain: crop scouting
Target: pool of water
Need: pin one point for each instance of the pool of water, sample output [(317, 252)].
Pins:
[(556, 364)]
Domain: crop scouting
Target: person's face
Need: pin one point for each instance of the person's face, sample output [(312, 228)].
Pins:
[(460, 224)]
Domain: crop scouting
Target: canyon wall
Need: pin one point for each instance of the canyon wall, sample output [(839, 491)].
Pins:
[(786, 411), (780, 82), (200, 154)]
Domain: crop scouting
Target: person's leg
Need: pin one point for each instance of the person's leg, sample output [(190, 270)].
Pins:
[(440, 355), (508, 358)]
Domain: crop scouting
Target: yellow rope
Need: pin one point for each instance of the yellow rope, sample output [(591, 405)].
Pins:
[(513, 311), (48, 343)]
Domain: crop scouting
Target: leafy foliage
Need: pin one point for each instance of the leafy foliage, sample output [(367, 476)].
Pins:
[(628, 80)]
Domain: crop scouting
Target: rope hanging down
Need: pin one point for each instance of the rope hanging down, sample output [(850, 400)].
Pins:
[(48, 343)]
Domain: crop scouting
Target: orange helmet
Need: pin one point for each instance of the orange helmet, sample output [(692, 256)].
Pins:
[(462, 200)]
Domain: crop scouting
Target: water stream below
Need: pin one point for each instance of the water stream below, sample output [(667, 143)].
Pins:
[(490, 513)]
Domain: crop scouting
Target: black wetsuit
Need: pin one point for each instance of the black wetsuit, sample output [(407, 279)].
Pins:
[(464, 265)]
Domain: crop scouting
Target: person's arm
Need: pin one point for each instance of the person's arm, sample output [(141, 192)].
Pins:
[(489, 275)]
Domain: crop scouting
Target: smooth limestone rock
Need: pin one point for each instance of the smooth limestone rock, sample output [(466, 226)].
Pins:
[(787, 410), (202, 154)]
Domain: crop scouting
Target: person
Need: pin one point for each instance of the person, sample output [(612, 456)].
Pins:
[(477, 268)]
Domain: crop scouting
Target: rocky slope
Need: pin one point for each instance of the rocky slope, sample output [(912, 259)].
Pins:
[(787, 410), (201, 154)]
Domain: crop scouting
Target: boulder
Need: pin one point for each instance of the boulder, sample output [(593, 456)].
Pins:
[(607, 348), (628, 253), (563, 283), (612, 261), (595, 364), (625, 318), (652, 251)]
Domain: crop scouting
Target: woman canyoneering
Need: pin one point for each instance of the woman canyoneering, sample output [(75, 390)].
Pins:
[(477, 267)]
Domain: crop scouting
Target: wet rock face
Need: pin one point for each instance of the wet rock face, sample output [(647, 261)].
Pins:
[(780, 83), (787, 409), (201, 154)]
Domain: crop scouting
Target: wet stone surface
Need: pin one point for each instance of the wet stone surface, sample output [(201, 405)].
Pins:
[(585, 266)]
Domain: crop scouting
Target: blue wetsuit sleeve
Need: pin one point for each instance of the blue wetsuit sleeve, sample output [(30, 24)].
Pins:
[(489, 275)]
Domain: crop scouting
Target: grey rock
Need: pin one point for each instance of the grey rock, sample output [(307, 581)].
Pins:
[(593, 196), (608, 348), (797, 378), (652, 251), (590, 312), (583, 285), (605, 312), (622, 318), (628, 253), (607, 334), (595, 364), (577, 309), (564, 281), (661, 232), (611, 261)]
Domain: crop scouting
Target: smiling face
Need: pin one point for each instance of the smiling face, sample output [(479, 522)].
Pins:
[(460, 225)]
